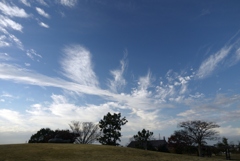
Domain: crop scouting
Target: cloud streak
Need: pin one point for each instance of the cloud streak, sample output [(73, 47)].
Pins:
[(42, 12), (12, 11), (10, 39), (32, 54), (211, 63), (26, 3), (43, 25), (227, 56), (68, 3), (7, 23), (42, 2), (3, 42)]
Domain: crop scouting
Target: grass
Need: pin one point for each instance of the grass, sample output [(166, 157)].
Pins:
[(74, 152)]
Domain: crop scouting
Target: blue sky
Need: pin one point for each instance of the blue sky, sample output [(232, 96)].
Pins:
[(157, 62)]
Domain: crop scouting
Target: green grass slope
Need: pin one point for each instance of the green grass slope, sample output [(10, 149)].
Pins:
[(74, 152)]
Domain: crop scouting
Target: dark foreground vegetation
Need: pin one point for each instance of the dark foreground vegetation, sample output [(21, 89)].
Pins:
[(84, 152)]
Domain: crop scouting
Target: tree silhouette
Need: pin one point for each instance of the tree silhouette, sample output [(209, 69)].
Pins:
[(180, 141), (110, 126), (42, 136), (199, 132), (142, 138), (46, 135)]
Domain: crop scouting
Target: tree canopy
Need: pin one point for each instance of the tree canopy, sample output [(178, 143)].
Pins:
[(42, 136), (46, 135), (200, 131), (110, 126), (180, 141)]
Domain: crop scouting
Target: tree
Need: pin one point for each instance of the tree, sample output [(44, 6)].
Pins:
[(42, 136), (110, 126), (85, 132), (222, 145), (180, 141), (225, 141), (142, 138), (199, 132)]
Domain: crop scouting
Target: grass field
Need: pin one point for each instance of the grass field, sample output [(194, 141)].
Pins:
[(74, 152)]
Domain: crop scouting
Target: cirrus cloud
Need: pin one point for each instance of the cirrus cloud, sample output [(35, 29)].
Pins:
[(12, 11)]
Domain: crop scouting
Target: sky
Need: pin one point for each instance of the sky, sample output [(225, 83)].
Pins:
[(157, 62)]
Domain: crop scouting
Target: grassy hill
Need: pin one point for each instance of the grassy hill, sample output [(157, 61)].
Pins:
[(74, 152)]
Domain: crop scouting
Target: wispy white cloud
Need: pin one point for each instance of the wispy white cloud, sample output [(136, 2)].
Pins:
[(140, 119), (10, 39), (220, 108), (5, 22), (42, 2), (12, 117), (211, 63), (12, 11), (143, 85), (68, 3), (238, 55), (27, 64), (16, 41), (235, 58), (25, 2), (43, 25), (49, 114), (60, 107), (140, 103), (4, 94), (42, 12), (3, 42), (188, 113), (25, 76), (32, 54), (5, 56), (174, 88), (118, 81), (77, 65), (21, 75)]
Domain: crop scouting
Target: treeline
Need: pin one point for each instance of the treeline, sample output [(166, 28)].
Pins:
[(107, 132), (190, 139)]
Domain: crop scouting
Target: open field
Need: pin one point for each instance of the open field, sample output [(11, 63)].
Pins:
[(74, 152)]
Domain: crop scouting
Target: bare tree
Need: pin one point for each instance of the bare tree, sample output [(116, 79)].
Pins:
[(200, 131), (85, 132)]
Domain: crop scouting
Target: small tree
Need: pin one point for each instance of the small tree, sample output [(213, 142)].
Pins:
[(142, 138), (199, 132), (110, 126), (85, 132)]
